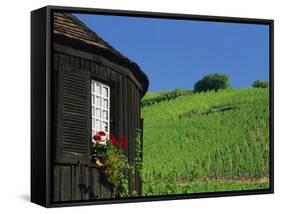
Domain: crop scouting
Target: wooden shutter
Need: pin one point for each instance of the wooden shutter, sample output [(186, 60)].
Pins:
[(73, 128)]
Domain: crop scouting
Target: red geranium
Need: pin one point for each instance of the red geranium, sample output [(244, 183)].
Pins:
[(114, 140), (97, 137), (101, 133), (124, 143)]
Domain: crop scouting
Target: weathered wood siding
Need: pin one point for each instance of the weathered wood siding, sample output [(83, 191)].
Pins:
[(125, 119), (79, 182)]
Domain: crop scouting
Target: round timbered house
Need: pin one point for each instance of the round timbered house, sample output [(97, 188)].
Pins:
[(94, 88)]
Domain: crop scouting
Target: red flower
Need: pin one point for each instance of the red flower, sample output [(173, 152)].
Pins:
[(97, 137), (113, 140), (124, 143), (101, 133)]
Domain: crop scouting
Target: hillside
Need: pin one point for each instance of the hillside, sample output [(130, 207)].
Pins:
[(214, 141)]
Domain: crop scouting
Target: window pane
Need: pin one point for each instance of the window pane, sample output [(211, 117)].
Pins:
[(98, 125), (93, 100), (100, 107), (105, 115), (105, 126), (98, 101), (98, 112), (93, 87), (104, 91), (93, 123), (105, 103), (98, 89)]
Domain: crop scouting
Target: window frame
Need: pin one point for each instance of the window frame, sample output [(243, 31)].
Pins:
[(94, 81)]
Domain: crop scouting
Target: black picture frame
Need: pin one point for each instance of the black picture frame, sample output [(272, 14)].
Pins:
[(41, 85)]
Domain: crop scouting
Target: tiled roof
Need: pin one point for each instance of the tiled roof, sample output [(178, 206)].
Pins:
[(67, 25)]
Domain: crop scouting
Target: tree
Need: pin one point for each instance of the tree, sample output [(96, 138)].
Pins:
[(260, 84), (212, 82)]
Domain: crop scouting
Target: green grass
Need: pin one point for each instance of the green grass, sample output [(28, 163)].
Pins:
[(209, 136), (150, 95), (202, 187)]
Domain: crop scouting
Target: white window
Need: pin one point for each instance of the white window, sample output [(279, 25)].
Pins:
[(100, 99)]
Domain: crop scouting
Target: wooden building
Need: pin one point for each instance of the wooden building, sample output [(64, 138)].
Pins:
[(94, 87)]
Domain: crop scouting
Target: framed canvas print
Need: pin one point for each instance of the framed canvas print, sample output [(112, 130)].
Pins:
[(131, 106)]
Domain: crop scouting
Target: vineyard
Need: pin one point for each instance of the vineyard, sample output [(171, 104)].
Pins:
[(205, 142)]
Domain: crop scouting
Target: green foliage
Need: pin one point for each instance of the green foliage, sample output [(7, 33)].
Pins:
[(115, 163), (98, 151), (212, 82), (138, 154), (171, 187), (208, 136), (260, 84), (151, 99), (133, 167)]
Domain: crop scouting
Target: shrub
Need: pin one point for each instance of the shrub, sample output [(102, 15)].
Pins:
[(260, 84), (110, 156), (212, 82)]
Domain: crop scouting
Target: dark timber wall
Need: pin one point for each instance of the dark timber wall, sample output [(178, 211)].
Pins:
[(81, 180), (72, 182)]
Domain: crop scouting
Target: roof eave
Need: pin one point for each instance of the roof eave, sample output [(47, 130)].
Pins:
[(111, 55)]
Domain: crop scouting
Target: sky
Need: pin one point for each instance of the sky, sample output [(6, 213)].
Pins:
[(177, 53)]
